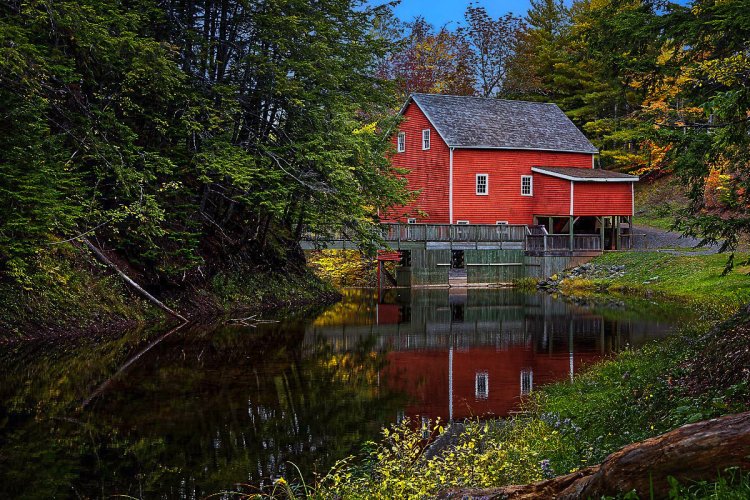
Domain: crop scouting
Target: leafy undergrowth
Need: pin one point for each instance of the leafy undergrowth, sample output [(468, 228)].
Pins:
[(251, 289), (733, 484), (693, 278), (343, 268), (569, 425), (69, 291)]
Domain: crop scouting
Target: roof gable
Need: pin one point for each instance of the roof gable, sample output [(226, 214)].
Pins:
[(485, 123)]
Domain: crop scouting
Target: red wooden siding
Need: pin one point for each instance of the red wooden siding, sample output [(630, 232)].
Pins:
[(505, 168), (429, 174), (601, 198), (423, 375), (428, 171), (551, 195)]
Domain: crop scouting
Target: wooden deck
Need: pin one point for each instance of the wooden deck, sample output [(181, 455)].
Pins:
[(532, 239)]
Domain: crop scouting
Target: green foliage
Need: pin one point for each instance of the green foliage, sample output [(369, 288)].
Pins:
[(659, 87), (730, 485), (60, 294), (242, 287), (526, 284), (186, 142), (485, 454)]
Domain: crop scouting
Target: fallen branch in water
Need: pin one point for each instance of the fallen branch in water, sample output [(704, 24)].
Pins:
[(250, 321), (693, 452), (100, 255), (103, 387)]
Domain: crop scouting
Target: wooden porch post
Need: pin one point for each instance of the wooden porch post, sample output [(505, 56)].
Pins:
[(630, 233), (380, 275), (618, 244), (601, 230), (570, 231)]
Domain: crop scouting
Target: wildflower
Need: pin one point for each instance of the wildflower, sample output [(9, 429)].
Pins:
[(547, 471)]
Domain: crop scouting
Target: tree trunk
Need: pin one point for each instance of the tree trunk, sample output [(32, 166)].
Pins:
[(132, 283), (694, 452)]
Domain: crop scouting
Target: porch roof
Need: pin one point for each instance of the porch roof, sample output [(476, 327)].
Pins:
[(578, 174)]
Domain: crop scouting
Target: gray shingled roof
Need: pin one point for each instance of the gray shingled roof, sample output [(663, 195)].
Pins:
[(477, 122), (585, 174)]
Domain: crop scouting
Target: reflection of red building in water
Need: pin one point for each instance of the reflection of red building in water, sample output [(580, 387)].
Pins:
[(457, 384), (472, 352)]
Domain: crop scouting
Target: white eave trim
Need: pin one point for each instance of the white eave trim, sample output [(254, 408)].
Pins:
[(517, 148), (632, 178)]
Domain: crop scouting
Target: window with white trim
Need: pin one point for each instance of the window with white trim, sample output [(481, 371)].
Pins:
[(527, 381), (411, 220), (482, 385), (501, 222), (401, 143), (527, 185), (482, 182), (462, 222), (426, 139)]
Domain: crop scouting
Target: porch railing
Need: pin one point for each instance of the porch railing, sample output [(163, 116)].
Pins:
[(468, 233), (561, 242), (533, 238)]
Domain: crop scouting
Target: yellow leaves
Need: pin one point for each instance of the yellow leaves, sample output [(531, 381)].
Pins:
[(719, 190), (368, 128), (730, 71)]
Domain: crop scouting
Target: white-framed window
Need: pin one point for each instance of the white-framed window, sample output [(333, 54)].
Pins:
[(401, 142), (411, 220), (501, 222), (462, 222), (527, 185), (527, 381), (426, 139), (482, 385), (482, 184)]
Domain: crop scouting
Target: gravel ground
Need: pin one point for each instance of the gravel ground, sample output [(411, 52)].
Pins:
[(651, 238)]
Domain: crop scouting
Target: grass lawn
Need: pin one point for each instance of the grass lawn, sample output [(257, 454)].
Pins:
[(695, 278)]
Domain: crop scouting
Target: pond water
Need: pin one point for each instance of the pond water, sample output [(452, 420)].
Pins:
[(202, 410)]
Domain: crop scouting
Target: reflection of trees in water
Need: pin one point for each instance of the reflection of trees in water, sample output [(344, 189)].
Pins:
[(438, 318), (199, 413), (208, 408)]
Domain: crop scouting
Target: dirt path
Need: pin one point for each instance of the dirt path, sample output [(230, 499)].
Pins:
[(654, 239)]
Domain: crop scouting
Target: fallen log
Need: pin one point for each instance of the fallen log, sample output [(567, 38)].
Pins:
[(100, 255), (693, 452)]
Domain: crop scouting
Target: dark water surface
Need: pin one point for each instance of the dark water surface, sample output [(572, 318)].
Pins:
[(205, 409)]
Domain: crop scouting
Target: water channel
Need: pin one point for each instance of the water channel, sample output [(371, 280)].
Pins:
[(205, 409)]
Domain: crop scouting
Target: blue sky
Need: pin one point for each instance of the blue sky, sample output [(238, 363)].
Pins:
[(439, 12)]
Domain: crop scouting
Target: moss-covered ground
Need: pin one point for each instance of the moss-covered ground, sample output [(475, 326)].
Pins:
[(70, 293)]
